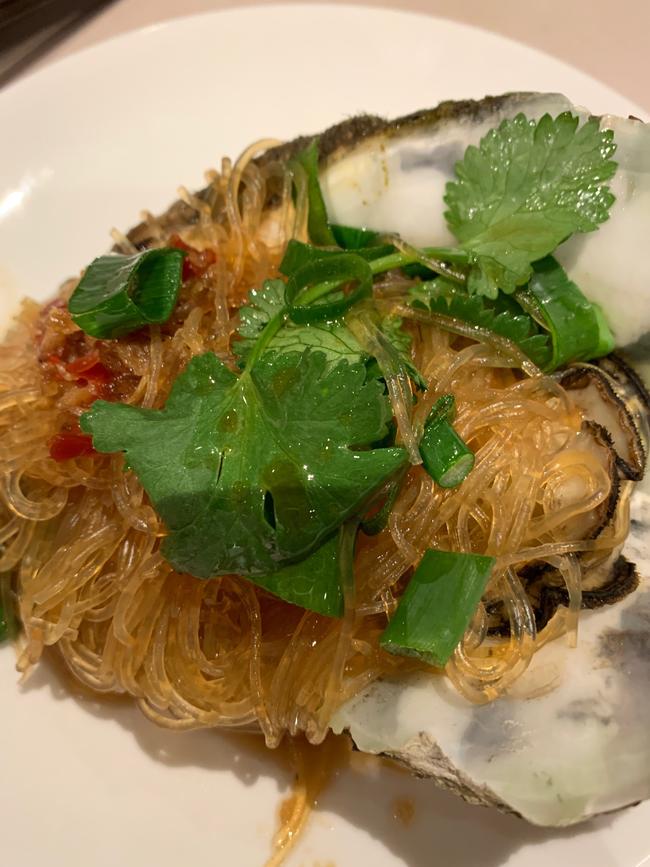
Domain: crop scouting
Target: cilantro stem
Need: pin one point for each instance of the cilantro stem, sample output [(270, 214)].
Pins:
[(434, 257), (268, 333)]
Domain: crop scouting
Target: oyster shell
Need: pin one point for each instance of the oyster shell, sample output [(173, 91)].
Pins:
[(572, 739), (390, 176)]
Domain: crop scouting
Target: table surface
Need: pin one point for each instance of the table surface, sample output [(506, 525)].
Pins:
[(607, 40)]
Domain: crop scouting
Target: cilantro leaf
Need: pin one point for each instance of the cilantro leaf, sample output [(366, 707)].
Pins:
[(332, 338), (502, 315), (262, 306), (313, 583), (526, 188), (254, 472)]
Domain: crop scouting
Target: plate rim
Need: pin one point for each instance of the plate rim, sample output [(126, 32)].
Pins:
[(144, 31), (81, 55)]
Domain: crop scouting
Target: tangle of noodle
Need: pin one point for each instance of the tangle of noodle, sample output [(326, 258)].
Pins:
[(80, 540)]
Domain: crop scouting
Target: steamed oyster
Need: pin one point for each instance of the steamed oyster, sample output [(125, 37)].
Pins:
[(394, 180), (390, 176), (573, 738), (579, 748)]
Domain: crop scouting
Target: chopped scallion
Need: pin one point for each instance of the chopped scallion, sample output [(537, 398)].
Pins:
[(445, 456), (298, 254), (577, 327), (317, 223), (353, 238), (316, 281), (119, 294), (437, 606)]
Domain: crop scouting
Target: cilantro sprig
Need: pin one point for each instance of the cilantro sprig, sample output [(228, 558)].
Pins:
[(253, 472), (332, 338), (527, 187)]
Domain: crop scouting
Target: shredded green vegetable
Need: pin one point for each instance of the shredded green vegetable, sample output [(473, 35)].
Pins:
[(577, 327), (317, 223)]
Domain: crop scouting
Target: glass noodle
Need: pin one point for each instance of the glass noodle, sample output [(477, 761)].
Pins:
[(81, 541)]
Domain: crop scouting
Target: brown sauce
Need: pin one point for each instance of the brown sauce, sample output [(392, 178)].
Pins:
[(403, 811)]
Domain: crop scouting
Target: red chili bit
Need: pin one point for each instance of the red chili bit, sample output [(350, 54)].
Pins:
[(89, 371), (83, 364), (197, 262), (67, 445)]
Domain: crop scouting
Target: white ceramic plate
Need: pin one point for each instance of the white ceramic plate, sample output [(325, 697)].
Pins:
[(86, 144)]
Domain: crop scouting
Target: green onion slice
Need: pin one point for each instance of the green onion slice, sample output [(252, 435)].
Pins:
[(437, 606), (353, 238), (118, 294), (445, 456), (317, 223), (577, 327), (298, 254)]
